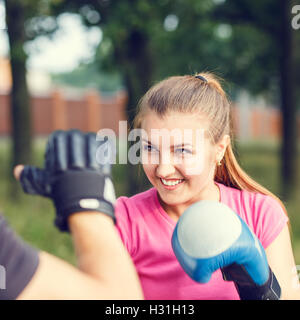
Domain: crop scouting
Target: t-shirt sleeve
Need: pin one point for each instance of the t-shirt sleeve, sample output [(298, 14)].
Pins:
[(270, 220), (124, 223), (18, 263)]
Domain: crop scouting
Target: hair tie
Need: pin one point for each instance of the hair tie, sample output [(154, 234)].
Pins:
[(201, 78)]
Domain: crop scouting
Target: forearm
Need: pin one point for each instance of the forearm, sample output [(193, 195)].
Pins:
[(71, 176), (101, 254)]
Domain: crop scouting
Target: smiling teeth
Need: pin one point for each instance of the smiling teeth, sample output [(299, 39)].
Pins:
[(171, 183)]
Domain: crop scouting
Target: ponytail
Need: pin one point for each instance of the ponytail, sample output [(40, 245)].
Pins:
[(232, 175)]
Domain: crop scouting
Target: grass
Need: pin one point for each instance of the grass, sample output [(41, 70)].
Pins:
[(32, 216)]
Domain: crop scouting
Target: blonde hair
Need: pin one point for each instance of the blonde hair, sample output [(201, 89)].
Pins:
[(204, 95)]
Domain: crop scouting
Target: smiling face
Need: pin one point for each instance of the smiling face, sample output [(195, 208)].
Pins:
[(183, 173)]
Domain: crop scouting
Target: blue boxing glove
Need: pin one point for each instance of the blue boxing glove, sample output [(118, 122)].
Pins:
[(210, 236)]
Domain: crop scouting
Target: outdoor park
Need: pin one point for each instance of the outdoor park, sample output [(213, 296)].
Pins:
[(124, 47)]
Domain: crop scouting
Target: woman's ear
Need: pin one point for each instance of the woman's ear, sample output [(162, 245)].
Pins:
[(221, 147)]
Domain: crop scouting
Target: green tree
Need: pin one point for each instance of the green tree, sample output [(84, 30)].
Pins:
[(240, 39), (25, 20), (136, 35), (20, 107), (272, 19), (128, 27)]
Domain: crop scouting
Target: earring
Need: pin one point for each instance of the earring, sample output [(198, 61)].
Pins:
[(219, 163)]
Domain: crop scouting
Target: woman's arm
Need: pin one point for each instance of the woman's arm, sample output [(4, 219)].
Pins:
[(281, 260)]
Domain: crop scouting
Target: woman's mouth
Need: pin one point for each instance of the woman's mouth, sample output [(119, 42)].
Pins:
[(171, 184)]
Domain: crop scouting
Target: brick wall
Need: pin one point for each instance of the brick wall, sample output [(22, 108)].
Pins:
[(88, 113), (93, 112), (258, 123)]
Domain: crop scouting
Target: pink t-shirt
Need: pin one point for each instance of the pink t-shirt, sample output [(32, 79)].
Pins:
[(146, 230)]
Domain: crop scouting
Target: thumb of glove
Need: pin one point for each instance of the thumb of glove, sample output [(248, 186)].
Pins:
[(34, 181)]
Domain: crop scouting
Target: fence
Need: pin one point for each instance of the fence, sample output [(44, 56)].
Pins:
[(93, 112), (257, 123), (90, 112)]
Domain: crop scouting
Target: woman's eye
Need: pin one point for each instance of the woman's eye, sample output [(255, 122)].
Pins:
[(148, 148), (183, 151)]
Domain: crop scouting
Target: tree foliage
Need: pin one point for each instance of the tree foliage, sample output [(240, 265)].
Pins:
[(247, 42)]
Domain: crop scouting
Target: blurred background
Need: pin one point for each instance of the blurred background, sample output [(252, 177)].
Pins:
[(85, 64)]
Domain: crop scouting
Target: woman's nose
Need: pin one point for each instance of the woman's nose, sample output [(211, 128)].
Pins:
[(165, 170)]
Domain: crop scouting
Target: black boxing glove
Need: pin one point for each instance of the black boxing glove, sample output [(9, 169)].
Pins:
[(72, 177)]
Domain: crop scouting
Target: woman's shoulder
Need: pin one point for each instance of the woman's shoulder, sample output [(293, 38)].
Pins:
[(246, 197)]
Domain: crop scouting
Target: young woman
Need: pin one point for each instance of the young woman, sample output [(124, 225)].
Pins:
[(146, 221)]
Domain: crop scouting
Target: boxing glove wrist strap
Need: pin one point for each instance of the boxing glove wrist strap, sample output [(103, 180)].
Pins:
[(247, 288), (77, 191)]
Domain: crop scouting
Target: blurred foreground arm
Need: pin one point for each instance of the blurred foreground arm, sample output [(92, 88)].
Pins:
[(106, 271), (83, 195)]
